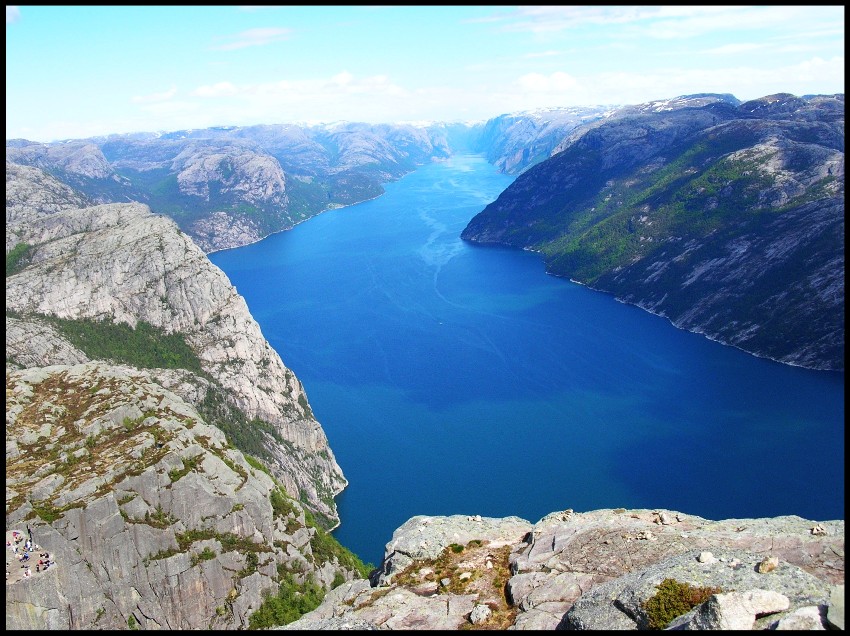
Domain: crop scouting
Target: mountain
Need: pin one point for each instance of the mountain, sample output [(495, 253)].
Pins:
[(514, 142), (92, 269), (168, 462), (157, 448), (230, 186), (727, 219)]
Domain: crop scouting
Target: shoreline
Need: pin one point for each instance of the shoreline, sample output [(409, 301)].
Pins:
[(263, 238), (654, 313), (694, 331)]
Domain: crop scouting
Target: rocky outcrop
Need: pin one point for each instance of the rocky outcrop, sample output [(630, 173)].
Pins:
[(121, 262), (592, 570), (516, 141), (30, 192), (728, 220), (75, 159), (425, 538), (255, 178), (150, 517), (35, 343)]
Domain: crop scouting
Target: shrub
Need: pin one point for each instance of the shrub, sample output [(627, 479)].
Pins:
[(674, 599), (256, 463), (204, 555), (326, 548), (282, 505), (290, 603), (252, 561), (17, 258)]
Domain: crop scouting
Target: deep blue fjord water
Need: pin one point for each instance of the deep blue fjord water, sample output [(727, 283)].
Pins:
[(459, 379)]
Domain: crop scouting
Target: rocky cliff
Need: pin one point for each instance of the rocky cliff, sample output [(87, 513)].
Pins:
[(135, 379), (121, 263), (726, 219), (151, 519), (597, 570)]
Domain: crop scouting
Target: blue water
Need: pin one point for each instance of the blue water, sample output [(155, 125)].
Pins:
[(458, 379)]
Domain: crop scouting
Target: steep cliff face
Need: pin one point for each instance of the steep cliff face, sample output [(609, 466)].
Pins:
[(728, 220), (150, 517), (596, 570), (122, 263)]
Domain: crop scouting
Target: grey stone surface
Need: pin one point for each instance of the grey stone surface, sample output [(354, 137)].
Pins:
[(479, 614), (117, 519), (605, 603), (734, 610), (835, 615), (424, 537), (803, 619), (330, 624)]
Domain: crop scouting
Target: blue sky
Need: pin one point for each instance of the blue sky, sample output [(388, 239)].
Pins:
[(75, 72)]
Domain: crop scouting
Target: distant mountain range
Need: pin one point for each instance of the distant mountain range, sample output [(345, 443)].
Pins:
[(725, 217), (230, 186)]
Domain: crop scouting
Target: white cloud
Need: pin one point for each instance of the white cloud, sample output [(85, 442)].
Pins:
[(798, 48), (254, 37), (221, 89), (745, 82), (734, 49), (168, 109), (340, 96), (663, 22), (13, 14), (343, 83), (155, 97), (544, 18)]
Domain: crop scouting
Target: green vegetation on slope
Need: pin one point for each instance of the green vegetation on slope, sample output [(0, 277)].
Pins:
[(295, 599), (292, 601), (699, 191), (17, 258), (326, 548), (246, 435), (145, 346)]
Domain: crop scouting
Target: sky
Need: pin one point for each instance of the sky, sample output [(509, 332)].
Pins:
[(74, 72)]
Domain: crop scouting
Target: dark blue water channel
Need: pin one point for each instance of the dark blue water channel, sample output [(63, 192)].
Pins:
[(458, 379)]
